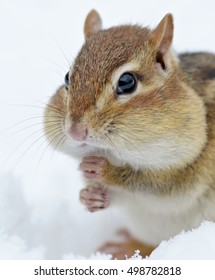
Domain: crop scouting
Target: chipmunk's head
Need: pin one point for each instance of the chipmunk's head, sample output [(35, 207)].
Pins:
[(125, 95)]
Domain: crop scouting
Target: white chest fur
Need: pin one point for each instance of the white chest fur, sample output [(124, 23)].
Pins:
[(155, 218)]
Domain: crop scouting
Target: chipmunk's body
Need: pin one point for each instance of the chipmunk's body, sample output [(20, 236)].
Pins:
[(144, 121)]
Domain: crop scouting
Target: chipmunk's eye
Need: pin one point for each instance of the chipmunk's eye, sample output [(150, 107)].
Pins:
[(127, 83), (66, 80)]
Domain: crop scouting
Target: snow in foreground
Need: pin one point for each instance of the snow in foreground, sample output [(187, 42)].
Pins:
[(21, 235)]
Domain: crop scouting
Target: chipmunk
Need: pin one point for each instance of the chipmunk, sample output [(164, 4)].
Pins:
[(142, 121)]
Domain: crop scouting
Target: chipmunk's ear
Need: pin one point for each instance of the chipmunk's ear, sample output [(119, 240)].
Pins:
[(162, 37), (93, 24)]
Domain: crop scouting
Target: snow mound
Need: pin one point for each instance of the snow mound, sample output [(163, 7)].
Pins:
[(15, 221), (14, 248), (13, 207), (197, 244), (96, 256), (19, 240)]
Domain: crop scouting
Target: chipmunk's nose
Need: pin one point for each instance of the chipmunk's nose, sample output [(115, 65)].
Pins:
[(78, 132)]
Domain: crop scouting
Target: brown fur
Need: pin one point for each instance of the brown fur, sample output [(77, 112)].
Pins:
[(176, 95)]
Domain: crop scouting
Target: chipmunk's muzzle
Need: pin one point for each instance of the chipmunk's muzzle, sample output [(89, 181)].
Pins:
[(77, 132)]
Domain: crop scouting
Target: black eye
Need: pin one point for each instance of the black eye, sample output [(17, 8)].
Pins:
[(127, 83), (66, 80)]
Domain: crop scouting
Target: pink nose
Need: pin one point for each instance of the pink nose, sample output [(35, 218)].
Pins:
[(78, 132)]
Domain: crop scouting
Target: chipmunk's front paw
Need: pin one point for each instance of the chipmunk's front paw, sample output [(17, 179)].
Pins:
[(95, 198), (91, 167)]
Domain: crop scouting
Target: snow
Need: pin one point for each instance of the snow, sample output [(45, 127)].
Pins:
[(196, 244), (40, 213)]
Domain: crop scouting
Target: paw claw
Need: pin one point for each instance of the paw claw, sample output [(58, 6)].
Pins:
[(94, 198), (91, 167)]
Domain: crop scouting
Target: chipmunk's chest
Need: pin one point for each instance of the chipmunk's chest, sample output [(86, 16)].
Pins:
[(154, 218)]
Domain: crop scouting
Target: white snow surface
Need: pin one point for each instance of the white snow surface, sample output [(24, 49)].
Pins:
[(197, 244), (40, 213)]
